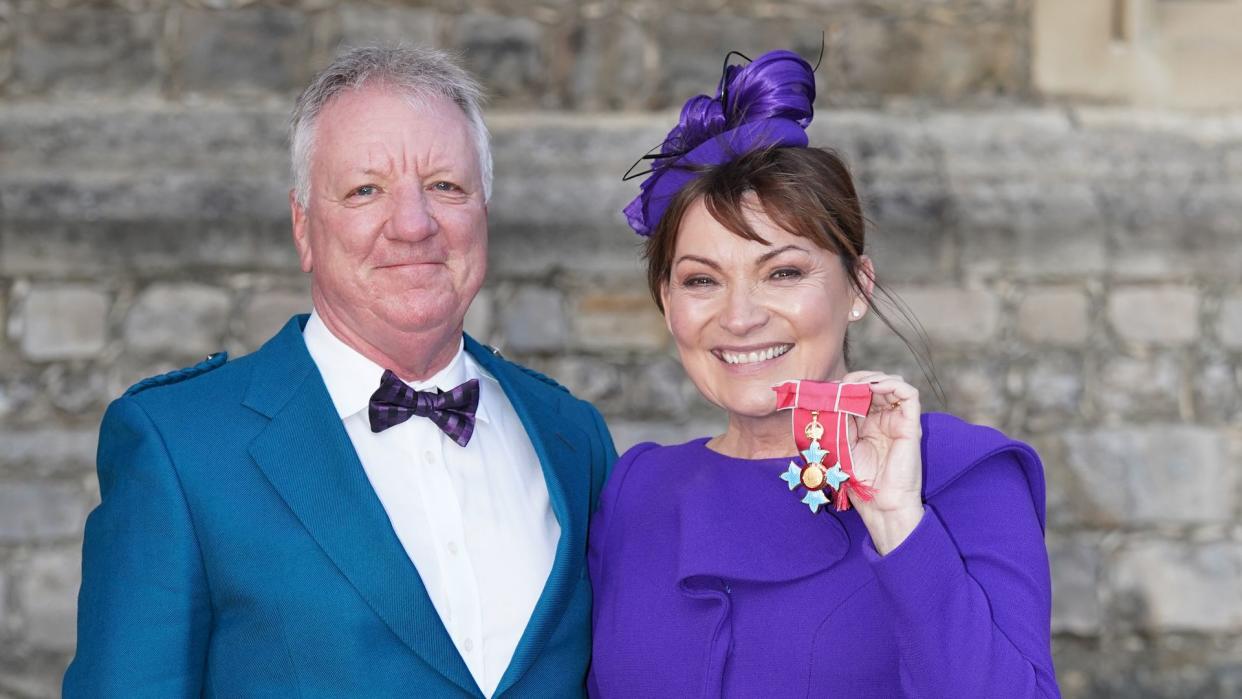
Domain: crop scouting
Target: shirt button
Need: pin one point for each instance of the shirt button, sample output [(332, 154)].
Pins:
[(452, 547), (468, 645), (431, 458)]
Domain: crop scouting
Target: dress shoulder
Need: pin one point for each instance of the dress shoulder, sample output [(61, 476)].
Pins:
[(953, 447), (626, 461)]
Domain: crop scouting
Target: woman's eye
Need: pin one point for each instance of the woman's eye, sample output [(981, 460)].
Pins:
[(787, 273), (693, 282), (365, 190)]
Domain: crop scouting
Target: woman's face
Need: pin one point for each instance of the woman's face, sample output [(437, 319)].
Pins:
[(747, 316)]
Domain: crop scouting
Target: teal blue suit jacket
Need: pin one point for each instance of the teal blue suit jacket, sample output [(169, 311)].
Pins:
[(239, 549)]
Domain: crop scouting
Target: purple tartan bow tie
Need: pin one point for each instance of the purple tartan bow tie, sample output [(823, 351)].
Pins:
[(453, 411)]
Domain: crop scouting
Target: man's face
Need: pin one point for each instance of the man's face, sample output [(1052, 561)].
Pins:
[(394, 233)]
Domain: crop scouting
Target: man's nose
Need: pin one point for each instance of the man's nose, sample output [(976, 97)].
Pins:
[(413, 218), (742, 313)]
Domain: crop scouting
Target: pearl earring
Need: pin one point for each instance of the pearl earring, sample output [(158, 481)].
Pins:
[(856, 313)]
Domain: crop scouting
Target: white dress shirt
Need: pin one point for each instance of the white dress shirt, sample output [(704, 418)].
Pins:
[(475, 520)]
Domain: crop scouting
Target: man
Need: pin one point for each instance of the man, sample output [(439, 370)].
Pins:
[(373, 504)]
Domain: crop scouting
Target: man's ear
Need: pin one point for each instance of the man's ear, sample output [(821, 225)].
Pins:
[(301, 234)]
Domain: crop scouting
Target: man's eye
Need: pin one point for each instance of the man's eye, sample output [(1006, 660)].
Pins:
[(443, 186), (365, 190)]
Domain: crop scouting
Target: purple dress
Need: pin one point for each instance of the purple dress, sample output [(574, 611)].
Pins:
[(712, 579)]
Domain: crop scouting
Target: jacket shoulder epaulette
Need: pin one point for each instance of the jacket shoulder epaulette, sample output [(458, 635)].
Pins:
[(216, 360)]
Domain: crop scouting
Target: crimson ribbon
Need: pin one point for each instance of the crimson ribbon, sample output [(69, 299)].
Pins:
[(833, 401)]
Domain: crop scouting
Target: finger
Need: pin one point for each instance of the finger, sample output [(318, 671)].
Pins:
[(863, 376), (893, 393)]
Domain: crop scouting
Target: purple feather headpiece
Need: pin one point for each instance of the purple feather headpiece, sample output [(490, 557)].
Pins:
[(764, 104)]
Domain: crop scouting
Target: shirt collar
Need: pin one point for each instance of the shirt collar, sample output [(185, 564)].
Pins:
[(351, 378)]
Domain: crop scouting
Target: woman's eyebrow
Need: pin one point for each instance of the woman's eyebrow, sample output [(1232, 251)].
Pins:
[(696, 258), (773, 253)]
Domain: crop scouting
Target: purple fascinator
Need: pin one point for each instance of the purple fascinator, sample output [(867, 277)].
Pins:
[(764, 104)]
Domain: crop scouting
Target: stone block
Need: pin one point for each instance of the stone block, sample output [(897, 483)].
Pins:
[(1230, 328), (659, 387), (617, 322), (1147, 666), (627, 433), (40, 511), (268, 311), (1154, 474), (185, 197), (691, 47), (1161, 315), (362, 25), (1151, 53), (255, 49), (557, 203), (1011, 221), (87, 50), (953, 316), (79, 248), (479, 317), (974, 390), (1216, 388), (219, 138), (1052, 389), (606, 72), (508, 54), (1144, 388), (947, 58), (183, 320), (1176, 229), (49, 449), (595, 380), (76, 389), (47, 592), (1076, 570), (898, 169), (64, 322), (533, 320), (1175, 586), (21, 393), (1057, 316)]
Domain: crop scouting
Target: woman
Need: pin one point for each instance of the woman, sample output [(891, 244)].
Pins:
[(711, 578)]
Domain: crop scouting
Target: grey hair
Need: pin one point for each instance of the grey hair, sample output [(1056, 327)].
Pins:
[(419, 73)]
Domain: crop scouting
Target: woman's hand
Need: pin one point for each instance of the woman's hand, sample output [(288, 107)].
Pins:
[(887, 456)]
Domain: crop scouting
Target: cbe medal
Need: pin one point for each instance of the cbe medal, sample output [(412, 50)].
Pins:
[(819, 411)]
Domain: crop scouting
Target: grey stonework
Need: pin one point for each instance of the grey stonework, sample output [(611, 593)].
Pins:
[(1077, 267)]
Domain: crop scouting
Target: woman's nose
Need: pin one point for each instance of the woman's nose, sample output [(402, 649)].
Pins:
[(743, 313)]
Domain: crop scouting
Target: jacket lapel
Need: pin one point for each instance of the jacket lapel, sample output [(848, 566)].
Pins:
[(564, 451), (308, 458)]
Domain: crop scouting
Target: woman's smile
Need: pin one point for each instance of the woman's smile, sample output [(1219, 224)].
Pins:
[(753, 356)]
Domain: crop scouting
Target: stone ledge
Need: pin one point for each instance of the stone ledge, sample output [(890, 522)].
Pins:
[(1026, 193)]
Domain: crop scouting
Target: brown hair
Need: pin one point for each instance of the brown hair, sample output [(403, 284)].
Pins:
[(806, 191)]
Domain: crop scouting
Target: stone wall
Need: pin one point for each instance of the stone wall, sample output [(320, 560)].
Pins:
[(1076, 264)]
